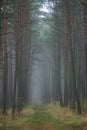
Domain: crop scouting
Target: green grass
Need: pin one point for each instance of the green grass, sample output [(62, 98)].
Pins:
[(40, 118)]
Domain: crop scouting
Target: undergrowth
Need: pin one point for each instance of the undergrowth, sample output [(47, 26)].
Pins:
[(49, 117)]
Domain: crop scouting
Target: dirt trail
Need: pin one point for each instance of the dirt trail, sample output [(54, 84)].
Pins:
[(40, 119)]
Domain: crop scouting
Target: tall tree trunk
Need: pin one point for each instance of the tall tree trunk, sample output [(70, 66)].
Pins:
[(58, 49), (4, 57)]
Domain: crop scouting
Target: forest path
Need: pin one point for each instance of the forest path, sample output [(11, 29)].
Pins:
[(42, 120), (39, 118)]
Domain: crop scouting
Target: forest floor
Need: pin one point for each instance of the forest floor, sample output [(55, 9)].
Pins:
[(49, 117)]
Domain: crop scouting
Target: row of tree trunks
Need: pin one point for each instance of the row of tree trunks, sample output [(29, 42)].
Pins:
[(22, 56), (71, 41)]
